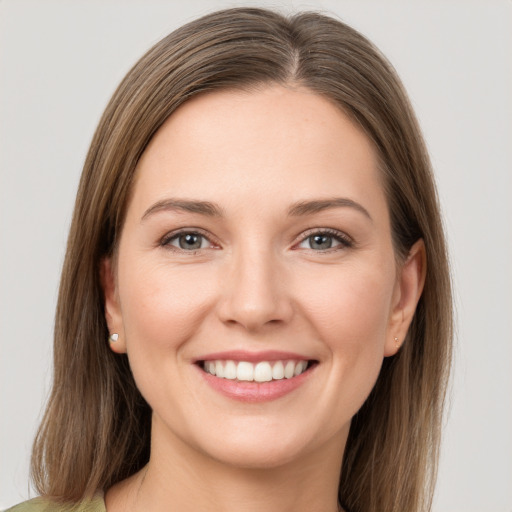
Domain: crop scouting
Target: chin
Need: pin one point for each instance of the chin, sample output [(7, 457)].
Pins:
[(257, 454), (266, 446)]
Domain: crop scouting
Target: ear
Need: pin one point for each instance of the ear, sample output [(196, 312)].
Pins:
[(407, 293), (113, 314)]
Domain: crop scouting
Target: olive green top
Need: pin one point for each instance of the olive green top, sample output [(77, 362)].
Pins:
[(97, 504)]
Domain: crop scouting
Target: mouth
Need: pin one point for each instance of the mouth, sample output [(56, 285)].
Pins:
[(258, 372), (251, 378)]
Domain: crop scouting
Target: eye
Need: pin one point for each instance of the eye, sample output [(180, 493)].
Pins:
[(186, 241), (325, 239)]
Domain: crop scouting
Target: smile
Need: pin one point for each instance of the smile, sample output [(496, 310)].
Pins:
[(255, 377), (263, 371)]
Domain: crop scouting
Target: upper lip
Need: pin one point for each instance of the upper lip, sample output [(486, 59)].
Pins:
[(252, 357)]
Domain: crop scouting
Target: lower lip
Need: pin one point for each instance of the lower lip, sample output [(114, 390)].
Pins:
[(255, 391)]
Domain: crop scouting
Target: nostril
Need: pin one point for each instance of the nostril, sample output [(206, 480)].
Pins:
[(254, 297)]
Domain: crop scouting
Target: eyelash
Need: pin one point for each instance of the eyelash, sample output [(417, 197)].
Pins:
[(345, 242), (166, 240)]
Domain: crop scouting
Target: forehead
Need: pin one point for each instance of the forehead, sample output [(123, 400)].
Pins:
[(273, 144)]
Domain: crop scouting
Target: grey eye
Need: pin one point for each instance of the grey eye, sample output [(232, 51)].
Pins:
[(188, 241), (320, 241), (325, 240)]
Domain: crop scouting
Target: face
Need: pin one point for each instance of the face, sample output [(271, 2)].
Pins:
[(256, 289)]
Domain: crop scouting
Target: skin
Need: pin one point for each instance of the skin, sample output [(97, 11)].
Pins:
[(257, 283)]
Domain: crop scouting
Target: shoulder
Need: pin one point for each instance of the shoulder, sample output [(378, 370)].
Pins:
[(97, 504)]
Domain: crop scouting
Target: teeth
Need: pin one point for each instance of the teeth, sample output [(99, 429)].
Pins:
[(219, 369), (210, 367), (264, 371), (230, 370), (244, 371), (300, 367), (289, 369), (278, 371)]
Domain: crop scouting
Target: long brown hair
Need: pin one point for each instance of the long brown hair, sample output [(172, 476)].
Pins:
[(96, 429)]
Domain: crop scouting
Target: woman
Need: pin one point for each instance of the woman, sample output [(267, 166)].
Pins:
[(255, 308)]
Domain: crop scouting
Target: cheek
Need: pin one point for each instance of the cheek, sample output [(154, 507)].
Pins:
[(350, 306), (350, 314), (162, 310), (162, 306)]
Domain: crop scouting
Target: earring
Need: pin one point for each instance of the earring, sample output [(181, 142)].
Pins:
[(397, 343), (113, 337)]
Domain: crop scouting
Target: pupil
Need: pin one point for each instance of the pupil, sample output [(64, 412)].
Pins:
[(321, 242), (190, 241)]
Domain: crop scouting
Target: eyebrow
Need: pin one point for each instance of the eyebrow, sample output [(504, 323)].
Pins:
[(318, 205), (185, 205), (209, 209)]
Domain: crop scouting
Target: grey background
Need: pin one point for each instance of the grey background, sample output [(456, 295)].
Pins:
[(60, 62)]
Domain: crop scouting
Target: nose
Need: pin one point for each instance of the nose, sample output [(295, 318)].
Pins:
[(255, 293)]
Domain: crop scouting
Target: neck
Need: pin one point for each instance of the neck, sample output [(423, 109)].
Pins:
[(180, 478)]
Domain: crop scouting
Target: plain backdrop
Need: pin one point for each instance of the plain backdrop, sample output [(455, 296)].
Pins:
[(60, 62)]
